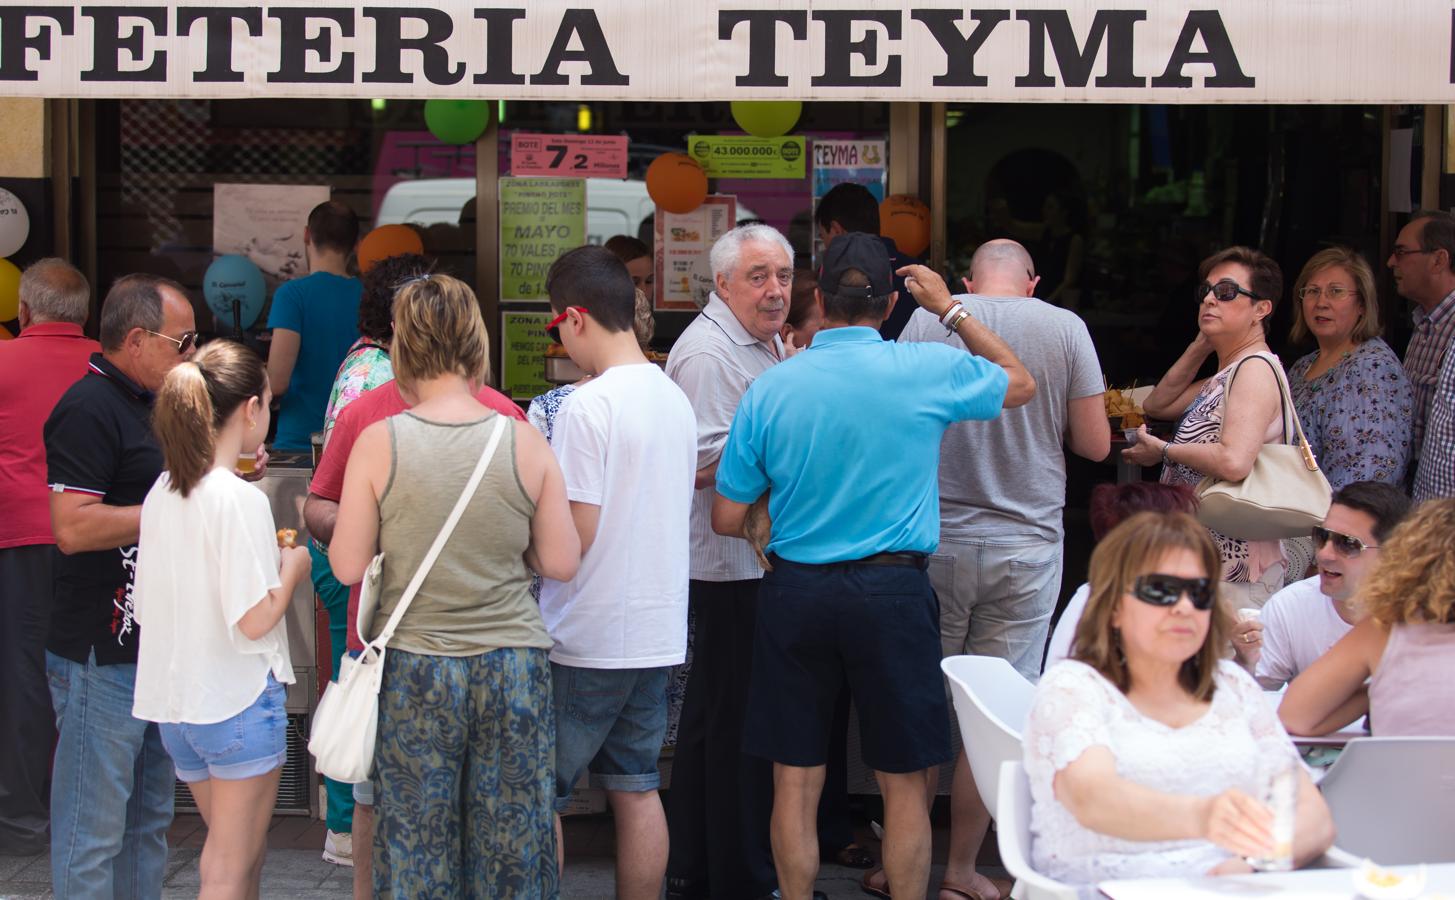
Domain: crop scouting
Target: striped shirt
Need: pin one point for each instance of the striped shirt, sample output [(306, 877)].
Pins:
[(1435, 476), (713, 362), (1423, 356)]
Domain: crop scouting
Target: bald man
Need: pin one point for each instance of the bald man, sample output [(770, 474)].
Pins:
[(1002, 489)]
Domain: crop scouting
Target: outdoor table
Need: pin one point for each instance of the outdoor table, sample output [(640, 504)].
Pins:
[(1307, 884)]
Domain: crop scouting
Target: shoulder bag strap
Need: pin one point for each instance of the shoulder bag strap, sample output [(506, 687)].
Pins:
[(1285, 400), (439, 542)]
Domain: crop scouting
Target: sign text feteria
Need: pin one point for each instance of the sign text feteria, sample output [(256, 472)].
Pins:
[(859, 47)]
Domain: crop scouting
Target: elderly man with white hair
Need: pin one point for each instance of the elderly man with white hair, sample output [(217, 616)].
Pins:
[(719, 806)]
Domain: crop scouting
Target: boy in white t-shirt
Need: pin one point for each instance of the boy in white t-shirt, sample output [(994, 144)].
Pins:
[(626, 440), (1301, 622)]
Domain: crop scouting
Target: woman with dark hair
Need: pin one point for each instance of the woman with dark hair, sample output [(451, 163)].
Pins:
[(367, 364), (1225, 420), (1146, 750), (1111, 504), (211, 587)]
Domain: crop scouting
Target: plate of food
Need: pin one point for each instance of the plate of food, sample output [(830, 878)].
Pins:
[(1377, 883)]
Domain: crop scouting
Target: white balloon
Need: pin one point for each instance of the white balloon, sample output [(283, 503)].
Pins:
[(14, 223)]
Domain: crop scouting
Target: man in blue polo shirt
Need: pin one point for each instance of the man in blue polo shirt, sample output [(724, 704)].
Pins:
[(846, 435)]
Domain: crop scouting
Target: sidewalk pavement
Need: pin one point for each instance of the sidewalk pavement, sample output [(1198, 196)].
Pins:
[(294, 868)]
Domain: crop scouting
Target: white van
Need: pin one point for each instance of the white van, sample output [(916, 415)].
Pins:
[(612, 207)]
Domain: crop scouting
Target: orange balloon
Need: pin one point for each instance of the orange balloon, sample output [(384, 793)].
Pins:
[(386, 241), (906, 220), (676, 183)]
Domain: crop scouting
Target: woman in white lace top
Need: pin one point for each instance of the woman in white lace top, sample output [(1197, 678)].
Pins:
[(1144, 748)]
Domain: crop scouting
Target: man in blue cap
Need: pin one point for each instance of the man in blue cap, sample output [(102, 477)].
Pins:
[(846, 435)]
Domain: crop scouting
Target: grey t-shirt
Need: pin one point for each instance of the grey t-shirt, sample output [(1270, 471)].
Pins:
[(1007, 477)]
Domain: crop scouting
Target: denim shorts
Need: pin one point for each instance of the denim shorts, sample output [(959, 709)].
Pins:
[(251, 743), (610, 722)]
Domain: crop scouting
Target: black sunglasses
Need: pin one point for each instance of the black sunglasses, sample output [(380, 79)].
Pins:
[(1344, 544), (1225, 291), (186, 342), (1165, 590)]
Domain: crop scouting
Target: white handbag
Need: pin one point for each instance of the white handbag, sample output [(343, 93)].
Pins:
[(347, 719)]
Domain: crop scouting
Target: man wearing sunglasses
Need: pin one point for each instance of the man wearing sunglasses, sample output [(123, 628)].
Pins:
[(112, 783), (1302, 621)]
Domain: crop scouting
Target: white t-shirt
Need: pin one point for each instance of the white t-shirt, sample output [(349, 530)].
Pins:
[(202, 563), (627, 443), (1300, 624), (1061, 638)]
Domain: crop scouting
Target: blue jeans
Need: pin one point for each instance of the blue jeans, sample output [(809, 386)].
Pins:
[(111, 790), (254, 742)]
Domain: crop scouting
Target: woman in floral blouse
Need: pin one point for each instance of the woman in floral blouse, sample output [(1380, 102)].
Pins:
[(367, 364), (1352, 396)]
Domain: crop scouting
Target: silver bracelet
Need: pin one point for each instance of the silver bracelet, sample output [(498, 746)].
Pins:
[(957, 307), (955, 325)]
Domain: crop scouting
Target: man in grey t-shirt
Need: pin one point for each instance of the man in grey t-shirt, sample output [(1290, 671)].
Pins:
[(1002, 489)]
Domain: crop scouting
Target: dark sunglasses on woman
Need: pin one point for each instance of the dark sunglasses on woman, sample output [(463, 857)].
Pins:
[(1225, 291), (1344, 544), (1165, 590)]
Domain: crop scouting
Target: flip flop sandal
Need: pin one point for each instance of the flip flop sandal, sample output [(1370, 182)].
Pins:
[(871, 890), (851, 856), (968, 894)]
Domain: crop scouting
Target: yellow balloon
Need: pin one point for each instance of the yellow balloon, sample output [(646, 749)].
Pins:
[(9, 291)]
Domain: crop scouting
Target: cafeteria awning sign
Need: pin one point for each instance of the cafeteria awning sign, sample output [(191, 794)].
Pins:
[(1153, 51)]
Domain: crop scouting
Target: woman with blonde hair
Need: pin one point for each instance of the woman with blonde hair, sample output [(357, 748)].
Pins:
[(464, 760), (1352, 397), (211, 589), (1145, 748), (1404, 649)]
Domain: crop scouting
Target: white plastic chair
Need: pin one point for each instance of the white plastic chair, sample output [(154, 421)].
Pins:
[(992, 701), (1013, 830), (1393, 800)]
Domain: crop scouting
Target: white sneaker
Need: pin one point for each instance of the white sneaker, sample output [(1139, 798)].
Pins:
[(338, 848)]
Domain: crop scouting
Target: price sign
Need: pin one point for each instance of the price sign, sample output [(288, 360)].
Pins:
[(749, 157), (568, 155)]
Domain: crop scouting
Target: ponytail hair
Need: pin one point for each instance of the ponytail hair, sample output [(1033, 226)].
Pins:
[(196, 398)]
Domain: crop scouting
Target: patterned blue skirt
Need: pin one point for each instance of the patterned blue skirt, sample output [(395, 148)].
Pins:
[(464, 775)]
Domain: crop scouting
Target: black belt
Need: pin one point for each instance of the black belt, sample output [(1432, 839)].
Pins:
[(907, 559)]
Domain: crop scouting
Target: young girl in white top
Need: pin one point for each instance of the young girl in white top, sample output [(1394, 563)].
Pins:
[(212, 586)]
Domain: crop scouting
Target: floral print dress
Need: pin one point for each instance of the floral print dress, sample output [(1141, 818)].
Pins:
[(365, 367), (1358, 415), (1243, 561)]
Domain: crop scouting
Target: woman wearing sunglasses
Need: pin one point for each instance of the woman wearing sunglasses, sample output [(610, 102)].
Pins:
[(1144, 748), (1223, 425), (1404, 649), (1352, 396)]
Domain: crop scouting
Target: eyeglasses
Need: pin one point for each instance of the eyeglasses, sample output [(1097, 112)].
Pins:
[(186, 342), (1224, 291), (1345, 545), (553, 327), (1402, 252), (1335, 292), (1165, 590)]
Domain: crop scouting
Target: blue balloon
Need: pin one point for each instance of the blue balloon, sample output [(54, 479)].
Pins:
[(234, 290)]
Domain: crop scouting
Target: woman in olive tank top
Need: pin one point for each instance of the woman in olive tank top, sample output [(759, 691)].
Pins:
[(463, 764)]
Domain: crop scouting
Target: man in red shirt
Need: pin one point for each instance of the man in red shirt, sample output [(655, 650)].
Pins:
[(320, 511), (36, 368)]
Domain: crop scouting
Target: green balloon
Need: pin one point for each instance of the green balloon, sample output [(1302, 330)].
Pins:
[(457, 121), (767, 118)]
